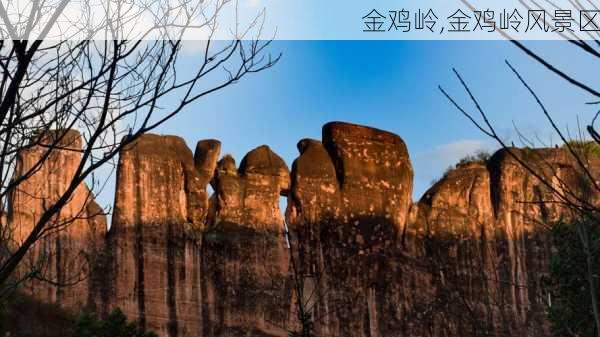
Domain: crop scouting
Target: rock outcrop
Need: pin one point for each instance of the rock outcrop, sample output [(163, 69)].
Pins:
[(467, 259), (484, 229), (63, 259), (349, 203), (250, 195), (453, 225), (524, 208), (205, 159), (246, 289), (160, 208)]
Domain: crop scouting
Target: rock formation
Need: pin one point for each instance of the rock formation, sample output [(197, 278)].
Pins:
[(246, 288), (467, 259), (68, 247), (355, 189), (160, 207), (484, 228), (205, 159), (454, 225), (524, 207)]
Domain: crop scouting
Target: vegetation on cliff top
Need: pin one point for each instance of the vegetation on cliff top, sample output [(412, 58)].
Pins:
[(479, 157), (584, 147)]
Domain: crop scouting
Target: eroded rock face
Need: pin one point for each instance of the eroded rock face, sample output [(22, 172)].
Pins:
[(459, 203), (524, 206), (373, 169), (67, 253), (452, 233), (246, 289), (349, 202), (484, 229), (467, 259), (250, 195), (205, 159), (512, 183), (160, 209)]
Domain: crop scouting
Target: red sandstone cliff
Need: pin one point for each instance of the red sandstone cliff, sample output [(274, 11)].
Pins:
[(160, 206), (349, 202), (68, 250), (466, 259), (246, 289)]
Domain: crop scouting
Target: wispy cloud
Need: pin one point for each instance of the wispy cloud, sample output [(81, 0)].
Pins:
[(430, 165), (451, 153)]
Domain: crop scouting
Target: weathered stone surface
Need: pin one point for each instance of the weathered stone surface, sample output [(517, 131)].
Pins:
[(373, 169), (205, 159), (157, 181), (315, 190), (469, 259), (250, 195), (451, 235), (466, 260), (458, 204), (485, 231), (314, 201), (246, 289), (347, 220), (524, 208), (67, 253), (160, 207), (512, 184)]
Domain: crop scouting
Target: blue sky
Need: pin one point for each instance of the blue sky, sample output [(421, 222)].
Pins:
[(390, 85)]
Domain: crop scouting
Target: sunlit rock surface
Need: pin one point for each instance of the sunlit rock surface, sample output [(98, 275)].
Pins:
[(467, 259), (154, 241), (71, 243)]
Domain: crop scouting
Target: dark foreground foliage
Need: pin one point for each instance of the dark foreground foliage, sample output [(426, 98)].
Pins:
[(570, 307), (22, 316), (115, 325)]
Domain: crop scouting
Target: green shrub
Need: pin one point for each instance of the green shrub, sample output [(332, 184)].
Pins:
[(585, 147), (115, 325), (479, 157)]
